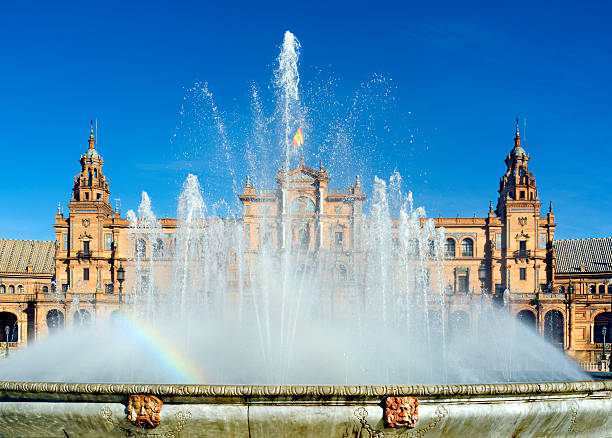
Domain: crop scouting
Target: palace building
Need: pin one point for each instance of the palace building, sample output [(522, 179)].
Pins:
[(561, 288)]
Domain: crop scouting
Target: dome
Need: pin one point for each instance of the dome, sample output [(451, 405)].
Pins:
[(92, 153), (518, 151)]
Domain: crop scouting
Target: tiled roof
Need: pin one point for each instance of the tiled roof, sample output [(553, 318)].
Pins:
[(594, 254), (17, 255)]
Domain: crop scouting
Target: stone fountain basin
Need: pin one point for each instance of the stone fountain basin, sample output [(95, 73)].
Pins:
[(584, 409)]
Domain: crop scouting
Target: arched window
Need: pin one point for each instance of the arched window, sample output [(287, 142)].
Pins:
[(2, 289), (45, 289), (158, 248), (553, 327), (140, 248), (449, 247), (561, 289), (602, 289), (432, 248), (20, 289), (413, 247), (55, 320), (467, 247), (342, 273), (11, 289), (610, 288), (592, 289)]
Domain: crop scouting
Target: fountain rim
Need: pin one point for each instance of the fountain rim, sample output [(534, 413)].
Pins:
[(53, 391)]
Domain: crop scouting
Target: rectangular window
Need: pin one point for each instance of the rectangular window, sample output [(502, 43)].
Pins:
[(523, 273), (498, 241), (108, 242), (86, 246), (64, 287), (543, 241), (522, 194), (85, 273), (339, 237), (523, 248), (66, 242)]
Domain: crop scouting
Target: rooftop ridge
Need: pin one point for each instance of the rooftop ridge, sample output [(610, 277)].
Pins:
[(583, 238)]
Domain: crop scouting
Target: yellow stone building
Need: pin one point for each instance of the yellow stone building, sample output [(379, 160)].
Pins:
[(562, 288)]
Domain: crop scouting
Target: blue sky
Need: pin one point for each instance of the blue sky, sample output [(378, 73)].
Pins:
[(461, 72)]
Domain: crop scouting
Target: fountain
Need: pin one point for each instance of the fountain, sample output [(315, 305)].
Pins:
[(277, 329)]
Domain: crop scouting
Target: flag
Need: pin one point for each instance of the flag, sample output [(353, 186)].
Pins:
[(298, 138)]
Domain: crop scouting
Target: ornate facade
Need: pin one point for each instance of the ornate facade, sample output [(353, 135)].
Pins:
[(562, 288)]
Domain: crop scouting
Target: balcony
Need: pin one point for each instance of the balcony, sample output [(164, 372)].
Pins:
[(84, 254), (523, 254)]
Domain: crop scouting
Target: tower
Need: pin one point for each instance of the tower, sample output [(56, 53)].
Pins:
[(85, 239), (526, 240)]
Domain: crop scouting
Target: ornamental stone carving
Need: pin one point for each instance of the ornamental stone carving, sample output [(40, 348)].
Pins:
[(401, 412), (143, 410)]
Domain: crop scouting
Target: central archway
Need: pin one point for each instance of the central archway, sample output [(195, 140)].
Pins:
[(82, 318), (55, 320), (553, 327), (8, 319), (459, 323), (602, 320), (527, 318)]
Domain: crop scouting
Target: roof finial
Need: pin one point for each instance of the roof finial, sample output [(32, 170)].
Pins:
[(490, 206), (517, 128), (92, 142), (550, 207), (517, 137), (248, 181), (357, 181), (59, 208), (302, 162), (321, 165)]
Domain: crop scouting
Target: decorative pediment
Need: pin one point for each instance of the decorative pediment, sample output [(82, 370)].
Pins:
[(85, 235), (302, 176)]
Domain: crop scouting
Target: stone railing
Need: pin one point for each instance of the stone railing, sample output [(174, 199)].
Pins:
[(595, 366)]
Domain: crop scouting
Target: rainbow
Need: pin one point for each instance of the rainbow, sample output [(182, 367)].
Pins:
[(172, 359)]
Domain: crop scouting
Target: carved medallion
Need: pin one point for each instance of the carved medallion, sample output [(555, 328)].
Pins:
[(143, 410), (85, 222), (522, 221), (401, 412)]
